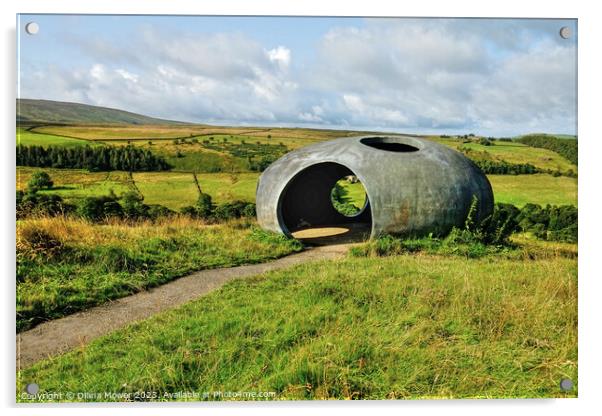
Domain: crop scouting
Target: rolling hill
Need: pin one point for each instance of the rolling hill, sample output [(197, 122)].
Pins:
[(58, 112)]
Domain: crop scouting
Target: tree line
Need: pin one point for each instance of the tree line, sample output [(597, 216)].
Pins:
[(495, 167), (101, 158)]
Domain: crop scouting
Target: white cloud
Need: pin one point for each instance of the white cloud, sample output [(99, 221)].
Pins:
[(281, 55), (490, 77), (127, 75), (420, 75)]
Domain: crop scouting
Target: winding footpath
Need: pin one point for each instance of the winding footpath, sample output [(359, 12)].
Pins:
[(64, 334)]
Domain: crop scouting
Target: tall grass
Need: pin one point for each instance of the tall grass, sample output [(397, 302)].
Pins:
[(65, 264), (401, 327)]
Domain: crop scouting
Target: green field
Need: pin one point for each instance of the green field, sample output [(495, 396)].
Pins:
[(519, 153), (28, 138), (76, 184), (511, 152), (177, 189), (293, 138), (537, 189), (409, 326), (171, 189)]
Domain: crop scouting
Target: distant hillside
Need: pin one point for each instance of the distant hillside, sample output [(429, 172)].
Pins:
[(46, 111), (567, 148)]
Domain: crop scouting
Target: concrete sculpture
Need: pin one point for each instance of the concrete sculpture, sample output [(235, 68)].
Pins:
[(414, 186)]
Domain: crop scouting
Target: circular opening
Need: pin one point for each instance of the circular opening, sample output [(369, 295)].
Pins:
[(348, 196), (389, 144), (306, 209)]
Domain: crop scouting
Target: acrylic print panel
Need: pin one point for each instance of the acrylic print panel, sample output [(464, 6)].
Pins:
[(288, 208)]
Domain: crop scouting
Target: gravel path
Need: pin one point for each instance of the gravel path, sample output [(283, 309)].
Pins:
[(61, 335)]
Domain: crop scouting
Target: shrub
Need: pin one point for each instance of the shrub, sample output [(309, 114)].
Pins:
[(31, 202), (157, 211), (96, 208), (133, 206), (249, 211), (204, 206), (558, 223), (234, 209), (112, 208), (40, 180)]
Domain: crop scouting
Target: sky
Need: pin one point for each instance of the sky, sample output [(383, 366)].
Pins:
[(495, 77)]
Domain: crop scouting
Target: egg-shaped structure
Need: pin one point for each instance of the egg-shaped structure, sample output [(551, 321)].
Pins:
[(413, 186)]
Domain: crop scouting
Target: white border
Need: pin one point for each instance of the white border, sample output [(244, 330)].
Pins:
[(590, 139)]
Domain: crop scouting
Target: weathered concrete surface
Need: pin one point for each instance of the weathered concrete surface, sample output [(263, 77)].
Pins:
[(414, 186)]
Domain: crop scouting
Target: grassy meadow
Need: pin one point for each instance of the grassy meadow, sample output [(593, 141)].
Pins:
[(294, 137), (177, 189), (539, 189), (406, 326), (216, 156), (409, 326), (511, 152), (66, 265), (29, 138)]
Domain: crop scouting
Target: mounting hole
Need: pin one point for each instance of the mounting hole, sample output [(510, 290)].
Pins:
[(566, 384), (32, 28), (565, 32), (32, 388)]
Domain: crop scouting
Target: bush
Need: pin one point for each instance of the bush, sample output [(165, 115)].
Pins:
[(33, 203), (40, 180), (133, 206), (189, 210), (235, 209), (206, 209), (157, 211), (96, 208), (557, 223), (204, 206)]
